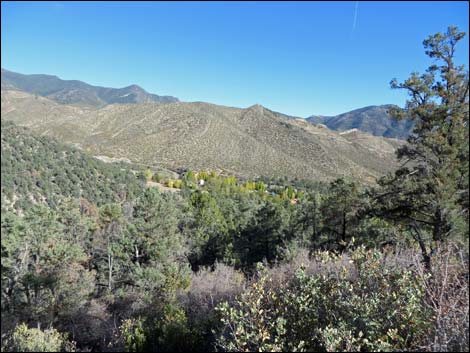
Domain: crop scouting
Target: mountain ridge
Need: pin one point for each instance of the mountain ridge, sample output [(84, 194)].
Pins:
[(251, 142), (78, 92), (373, 119)]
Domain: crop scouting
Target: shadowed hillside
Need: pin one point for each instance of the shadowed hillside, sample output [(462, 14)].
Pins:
[(374, 120), (78, 92)]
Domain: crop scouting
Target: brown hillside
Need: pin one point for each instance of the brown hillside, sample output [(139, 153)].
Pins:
[(245, 142)]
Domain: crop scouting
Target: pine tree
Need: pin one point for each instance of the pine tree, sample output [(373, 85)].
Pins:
[(155, 244), (429, 192), (339, 210)]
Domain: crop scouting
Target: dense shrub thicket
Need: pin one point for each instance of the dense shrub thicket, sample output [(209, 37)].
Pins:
[(364, 306)]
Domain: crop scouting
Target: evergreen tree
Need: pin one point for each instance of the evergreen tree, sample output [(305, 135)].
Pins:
[(209, 230), (154, 243), (429, 192), (339, 210), (44, 275), (263, 238), (308, 220), (107, 242)]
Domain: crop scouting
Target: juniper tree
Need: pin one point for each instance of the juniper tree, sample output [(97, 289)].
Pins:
[(428, 194)]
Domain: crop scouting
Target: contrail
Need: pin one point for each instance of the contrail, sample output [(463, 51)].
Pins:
[(355, 16)]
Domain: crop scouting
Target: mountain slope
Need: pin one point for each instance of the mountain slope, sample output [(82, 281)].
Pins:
[(372, 119), (245, 142), (78, 92), (38, 169)]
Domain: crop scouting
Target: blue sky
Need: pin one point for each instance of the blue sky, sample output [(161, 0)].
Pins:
[(299, 58)]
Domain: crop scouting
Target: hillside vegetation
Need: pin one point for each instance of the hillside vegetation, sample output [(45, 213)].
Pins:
[(245, 142), (38, 170)]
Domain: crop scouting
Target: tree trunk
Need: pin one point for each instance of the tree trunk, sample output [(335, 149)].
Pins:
[(417, 236), (110, 271), (343, 230)]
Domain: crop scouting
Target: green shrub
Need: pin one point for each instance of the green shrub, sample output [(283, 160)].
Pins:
[(133, 335), (366, 306), (167, 331), (147, 175), (157, 177), (230, 181), (170, 332), (24, 339)]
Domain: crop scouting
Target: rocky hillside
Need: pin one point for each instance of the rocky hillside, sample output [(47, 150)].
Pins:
[(374, 120), (245, 142), (78, 92)]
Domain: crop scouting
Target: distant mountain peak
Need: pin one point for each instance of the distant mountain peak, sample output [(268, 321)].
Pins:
[(255, 106), (134, 87), (373, 119), (256, 109), (78, 92)]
